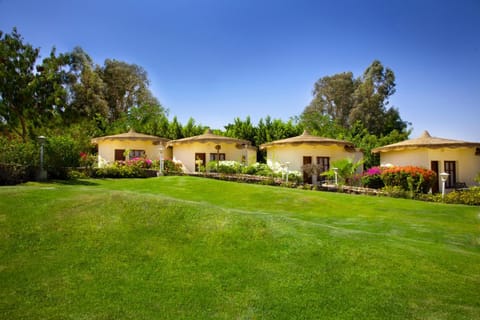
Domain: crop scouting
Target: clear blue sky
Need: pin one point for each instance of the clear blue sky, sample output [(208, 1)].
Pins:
[(215, 60)]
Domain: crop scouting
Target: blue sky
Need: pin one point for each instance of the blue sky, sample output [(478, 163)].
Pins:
[(215, 60)]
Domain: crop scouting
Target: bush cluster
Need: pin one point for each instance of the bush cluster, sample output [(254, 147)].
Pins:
[(470, 196), (256, 169), (413, 179)]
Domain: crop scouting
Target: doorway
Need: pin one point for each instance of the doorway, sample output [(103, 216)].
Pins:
[(434, 168), (306, 177), (199, 161)]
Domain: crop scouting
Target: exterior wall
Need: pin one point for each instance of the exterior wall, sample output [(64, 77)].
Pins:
[(106, 149), (467, 163), (280, 154), (185, 153)]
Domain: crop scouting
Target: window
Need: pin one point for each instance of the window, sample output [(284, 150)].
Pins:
[(450, 168), (213, 156), (136, 154), (323, 164)]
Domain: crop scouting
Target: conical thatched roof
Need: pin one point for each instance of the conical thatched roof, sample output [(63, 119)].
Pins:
[(131, 135), (208, 136), (426, 141), (307, 138)]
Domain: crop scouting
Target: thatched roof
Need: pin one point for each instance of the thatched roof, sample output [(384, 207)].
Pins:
[(131, 135), (307, 138), (426, 141), (207, 137)]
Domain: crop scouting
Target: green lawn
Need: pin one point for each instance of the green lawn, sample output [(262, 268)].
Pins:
[(192, 248)]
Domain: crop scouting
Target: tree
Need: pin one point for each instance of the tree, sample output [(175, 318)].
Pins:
[(31, 94), (342, 101), (191, 129), (333, 97), (174, 130), (87, 92), (241, 129), (126, 87)]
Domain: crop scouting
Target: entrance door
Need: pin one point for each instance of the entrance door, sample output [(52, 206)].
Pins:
[(434, 168), (199, 157), (450, 168), (119, 154), (306, 177)]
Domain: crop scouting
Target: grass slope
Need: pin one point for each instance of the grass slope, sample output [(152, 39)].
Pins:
[(191, 248)]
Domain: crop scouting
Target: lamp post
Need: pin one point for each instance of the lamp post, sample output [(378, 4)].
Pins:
[(161, 159), (444, 177), (335, 170), (42, 175), (286, 167), (218, 147)]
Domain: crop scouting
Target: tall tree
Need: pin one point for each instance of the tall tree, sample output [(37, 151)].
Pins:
[(126, 86), (345, 100), (241, 129), (333, 97), (87, 93), (371, 98), (31, 94)]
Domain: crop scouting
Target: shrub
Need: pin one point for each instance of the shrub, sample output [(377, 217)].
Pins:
[(226, 167), (372, 178), (470, 196), (409, 178), (18, 160), (61, 153), (120, 170), (171, 167), (395, 192)]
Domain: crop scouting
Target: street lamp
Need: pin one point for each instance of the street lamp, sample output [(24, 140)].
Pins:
[(444, 177), (42, 175), (161, 159), (335, 170), (286, 167), (218, 147)]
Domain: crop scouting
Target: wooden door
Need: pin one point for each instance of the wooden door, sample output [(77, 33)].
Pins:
[(306, 177), (434, 168), (450, 168), (119, 154)]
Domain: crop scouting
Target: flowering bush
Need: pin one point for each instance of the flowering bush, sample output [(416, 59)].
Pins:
[(372, 178), (411, 178), (227, 167)]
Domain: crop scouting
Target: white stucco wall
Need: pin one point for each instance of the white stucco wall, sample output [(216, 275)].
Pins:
[(467, 163), (185, 153), (278, 155), (106, 149)]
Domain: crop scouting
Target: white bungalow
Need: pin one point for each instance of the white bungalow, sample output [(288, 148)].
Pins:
[(308, 149), (131, 144), (201, 149), (460, 159)]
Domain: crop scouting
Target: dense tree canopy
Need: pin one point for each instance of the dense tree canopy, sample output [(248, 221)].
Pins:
[(346, 101)]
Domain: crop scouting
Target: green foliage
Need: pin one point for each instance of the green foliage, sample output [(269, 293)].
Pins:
[(470, 196), (171, 167), (372, 178), (346, 169), (395, 192), (345, 101), (61, 153), (409, 178), (120, 170)]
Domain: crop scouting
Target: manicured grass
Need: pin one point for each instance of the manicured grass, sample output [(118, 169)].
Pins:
[(192, 248)]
